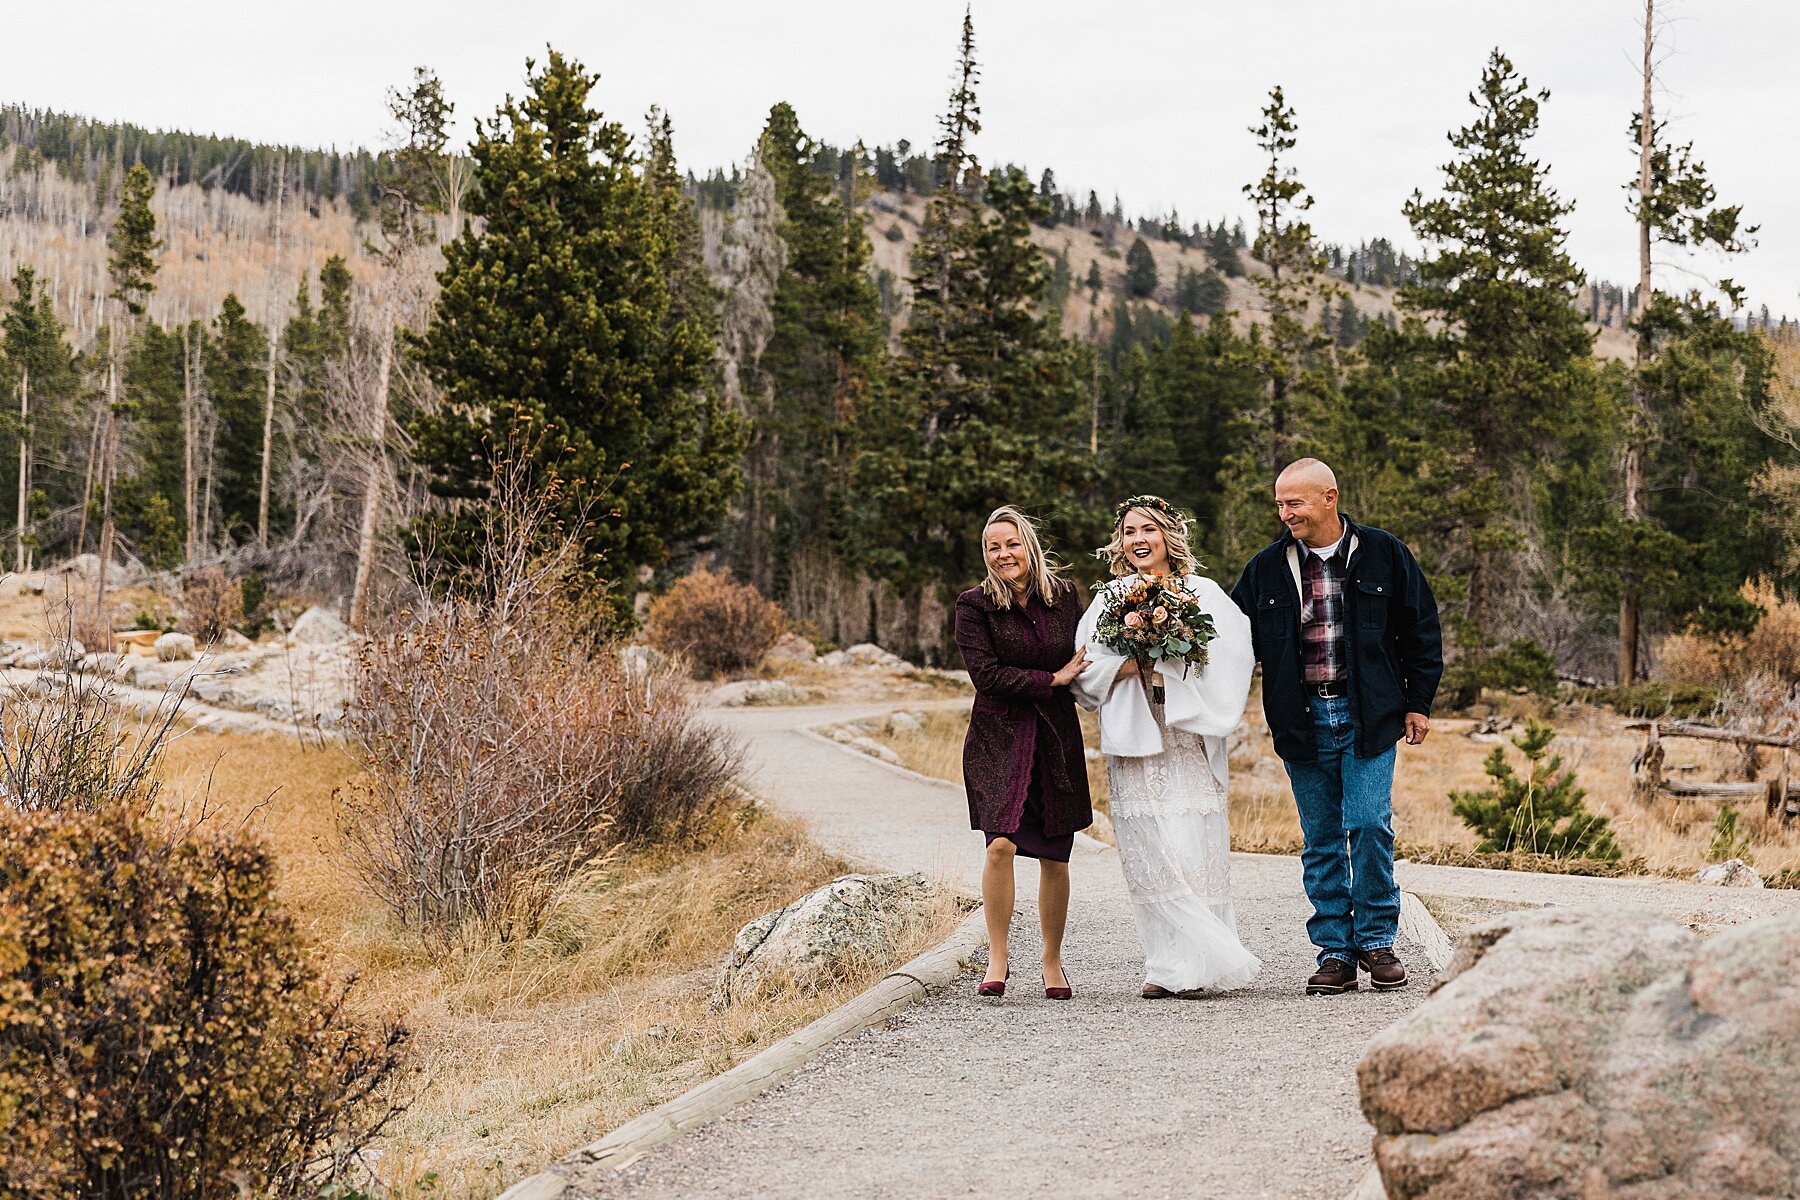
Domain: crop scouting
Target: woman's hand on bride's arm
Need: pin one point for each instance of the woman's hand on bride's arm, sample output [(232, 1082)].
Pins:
[(1072, 668)]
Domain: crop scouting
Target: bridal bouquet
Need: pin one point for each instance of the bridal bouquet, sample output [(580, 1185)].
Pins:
[(1152, 620)]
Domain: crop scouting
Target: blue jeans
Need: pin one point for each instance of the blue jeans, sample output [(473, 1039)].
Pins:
[(1347, 819)]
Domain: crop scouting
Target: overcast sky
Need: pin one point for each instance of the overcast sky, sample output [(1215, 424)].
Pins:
[(1151, 100)]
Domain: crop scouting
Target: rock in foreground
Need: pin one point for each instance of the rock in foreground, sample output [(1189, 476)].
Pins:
[(1590, 1052), (812, 941)]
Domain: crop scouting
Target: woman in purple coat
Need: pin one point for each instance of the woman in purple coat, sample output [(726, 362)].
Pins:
[(1023, 763)]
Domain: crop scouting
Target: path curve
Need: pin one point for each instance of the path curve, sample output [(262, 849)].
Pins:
[(1247, 1095)]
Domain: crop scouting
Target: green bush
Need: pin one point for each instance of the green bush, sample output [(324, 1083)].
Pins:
[(161, 1031), (1655, 698), (1729, 841), (1540, 813), (1523, 666)]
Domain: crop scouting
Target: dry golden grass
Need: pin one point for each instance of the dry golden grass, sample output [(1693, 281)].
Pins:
[(29, 618), (1671, 837), (517, 1046)]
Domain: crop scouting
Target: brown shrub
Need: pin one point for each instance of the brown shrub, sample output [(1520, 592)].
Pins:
[(161, 1032), (1771, 649), (507, 750), (214, 603), (720, 625)]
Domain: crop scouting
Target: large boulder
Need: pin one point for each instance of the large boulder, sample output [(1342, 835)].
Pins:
[(319, 627), (792, 648), (810, 943), (1590, 1052), (175, 647), (1733, 872)]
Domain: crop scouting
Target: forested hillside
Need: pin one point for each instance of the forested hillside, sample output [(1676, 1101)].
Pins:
[(823, 366)]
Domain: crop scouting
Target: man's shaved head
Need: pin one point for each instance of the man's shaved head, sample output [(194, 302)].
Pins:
[(1308, 473), (1306, 496)]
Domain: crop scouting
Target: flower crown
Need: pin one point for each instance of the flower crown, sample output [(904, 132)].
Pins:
[(1157, 502)]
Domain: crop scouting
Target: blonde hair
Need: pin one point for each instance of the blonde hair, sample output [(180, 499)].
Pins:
[(1175, 538), (1043, 572)]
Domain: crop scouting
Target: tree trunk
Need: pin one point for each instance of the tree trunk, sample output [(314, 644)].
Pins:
[(109, 453), (188, 478), (1637, 448), (19, 563), (87, 482), (374, 481), (268, 440)]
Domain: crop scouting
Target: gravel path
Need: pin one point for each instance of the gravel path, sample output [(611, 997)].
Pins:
[(1246, 1095)]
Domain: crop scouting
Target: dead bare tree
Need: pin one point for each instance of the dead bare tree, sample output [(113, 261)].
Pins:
[(268, 439)]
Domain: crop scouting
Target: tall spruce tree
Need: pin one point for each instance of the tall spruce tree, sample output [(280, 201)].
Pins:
[(1294, 416), (551, 339), (234, 363), (1673, 202), (988, 404), (826, 350), (1507, 357), (40, 380), (131, 267)]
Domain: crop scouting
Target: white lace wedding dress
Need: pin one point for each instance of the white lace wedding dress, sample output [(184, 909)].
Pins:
[(1167, 772)]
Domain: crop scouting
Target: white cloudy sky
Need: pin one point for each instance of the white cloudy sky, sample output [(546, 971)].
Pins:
[(1150, 99)]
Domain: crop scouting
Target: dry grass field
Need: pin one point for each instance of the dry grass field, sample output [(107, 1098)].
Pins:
[(1671, 837), (526, 1051)]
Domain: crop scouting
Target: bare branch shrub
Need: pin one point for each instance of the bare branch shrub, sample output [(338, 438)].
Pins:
[(718, 624), (67, 746), (505, 748), (214, 603)]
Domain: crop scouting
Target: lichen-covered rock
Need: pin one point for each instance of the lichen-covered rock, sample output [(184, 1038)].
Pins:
[(758, 692), (318, 627), (904, 723), (811, 942), (1590, 1052), (1733, 872), (175, 647), (792, 648)]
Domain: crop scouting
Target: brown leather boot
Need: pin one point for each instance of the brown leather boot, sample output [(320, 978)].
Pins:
[(1385, 969), (1334, 975)]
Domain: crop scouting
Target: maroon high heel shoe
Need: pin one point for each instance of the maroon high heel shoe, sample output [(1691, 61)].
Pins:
[(994, 987), (1061, 993)]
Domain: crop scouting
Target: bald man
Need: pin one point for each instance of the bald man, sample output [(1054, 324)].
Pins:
[(1346, 630)]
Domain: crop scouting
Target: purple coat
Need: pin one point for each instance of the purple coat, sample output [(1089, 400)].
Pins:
[(1011, 654)]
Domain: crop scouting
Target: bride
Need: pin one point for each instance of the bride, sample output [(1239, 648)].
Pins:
[(1164, 741)]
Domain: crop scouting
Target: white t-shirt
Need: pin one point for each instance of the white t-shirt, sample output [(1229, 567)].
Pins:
[(1327, 551)]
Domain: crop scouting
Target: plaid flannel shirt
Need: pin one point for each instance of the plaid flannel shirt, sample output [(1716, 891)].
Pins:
[(1322, 647)]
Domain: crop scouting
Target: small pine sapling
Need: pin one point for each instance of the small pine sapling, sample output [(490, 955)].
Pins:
[(1541, 812)]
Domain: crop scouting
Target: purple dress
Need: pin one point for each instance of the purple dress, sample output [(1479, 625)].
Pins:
[(1023, 762)]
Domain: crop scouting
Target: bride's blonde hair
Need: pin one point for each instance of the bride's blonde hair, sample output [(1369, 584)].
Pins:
[(1166, 517), (1044, 572)]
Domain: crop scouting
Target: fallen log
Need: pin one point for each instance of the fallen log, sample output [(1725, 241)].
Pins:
[(1711, 733)]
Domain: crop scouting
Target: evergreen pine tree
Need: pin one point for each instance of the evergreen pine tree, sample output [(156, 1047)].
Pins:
[(551, 340), (1140, 269), (1510, 359), (131, 246), (1674, 203), (825, 351), (1542, 812), (40, 379), (234, 358), (988, 404)]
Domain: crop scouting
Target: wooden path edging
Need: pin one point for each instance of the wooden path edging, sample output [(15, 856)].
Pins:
[(1417, 924), (896, 992)]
